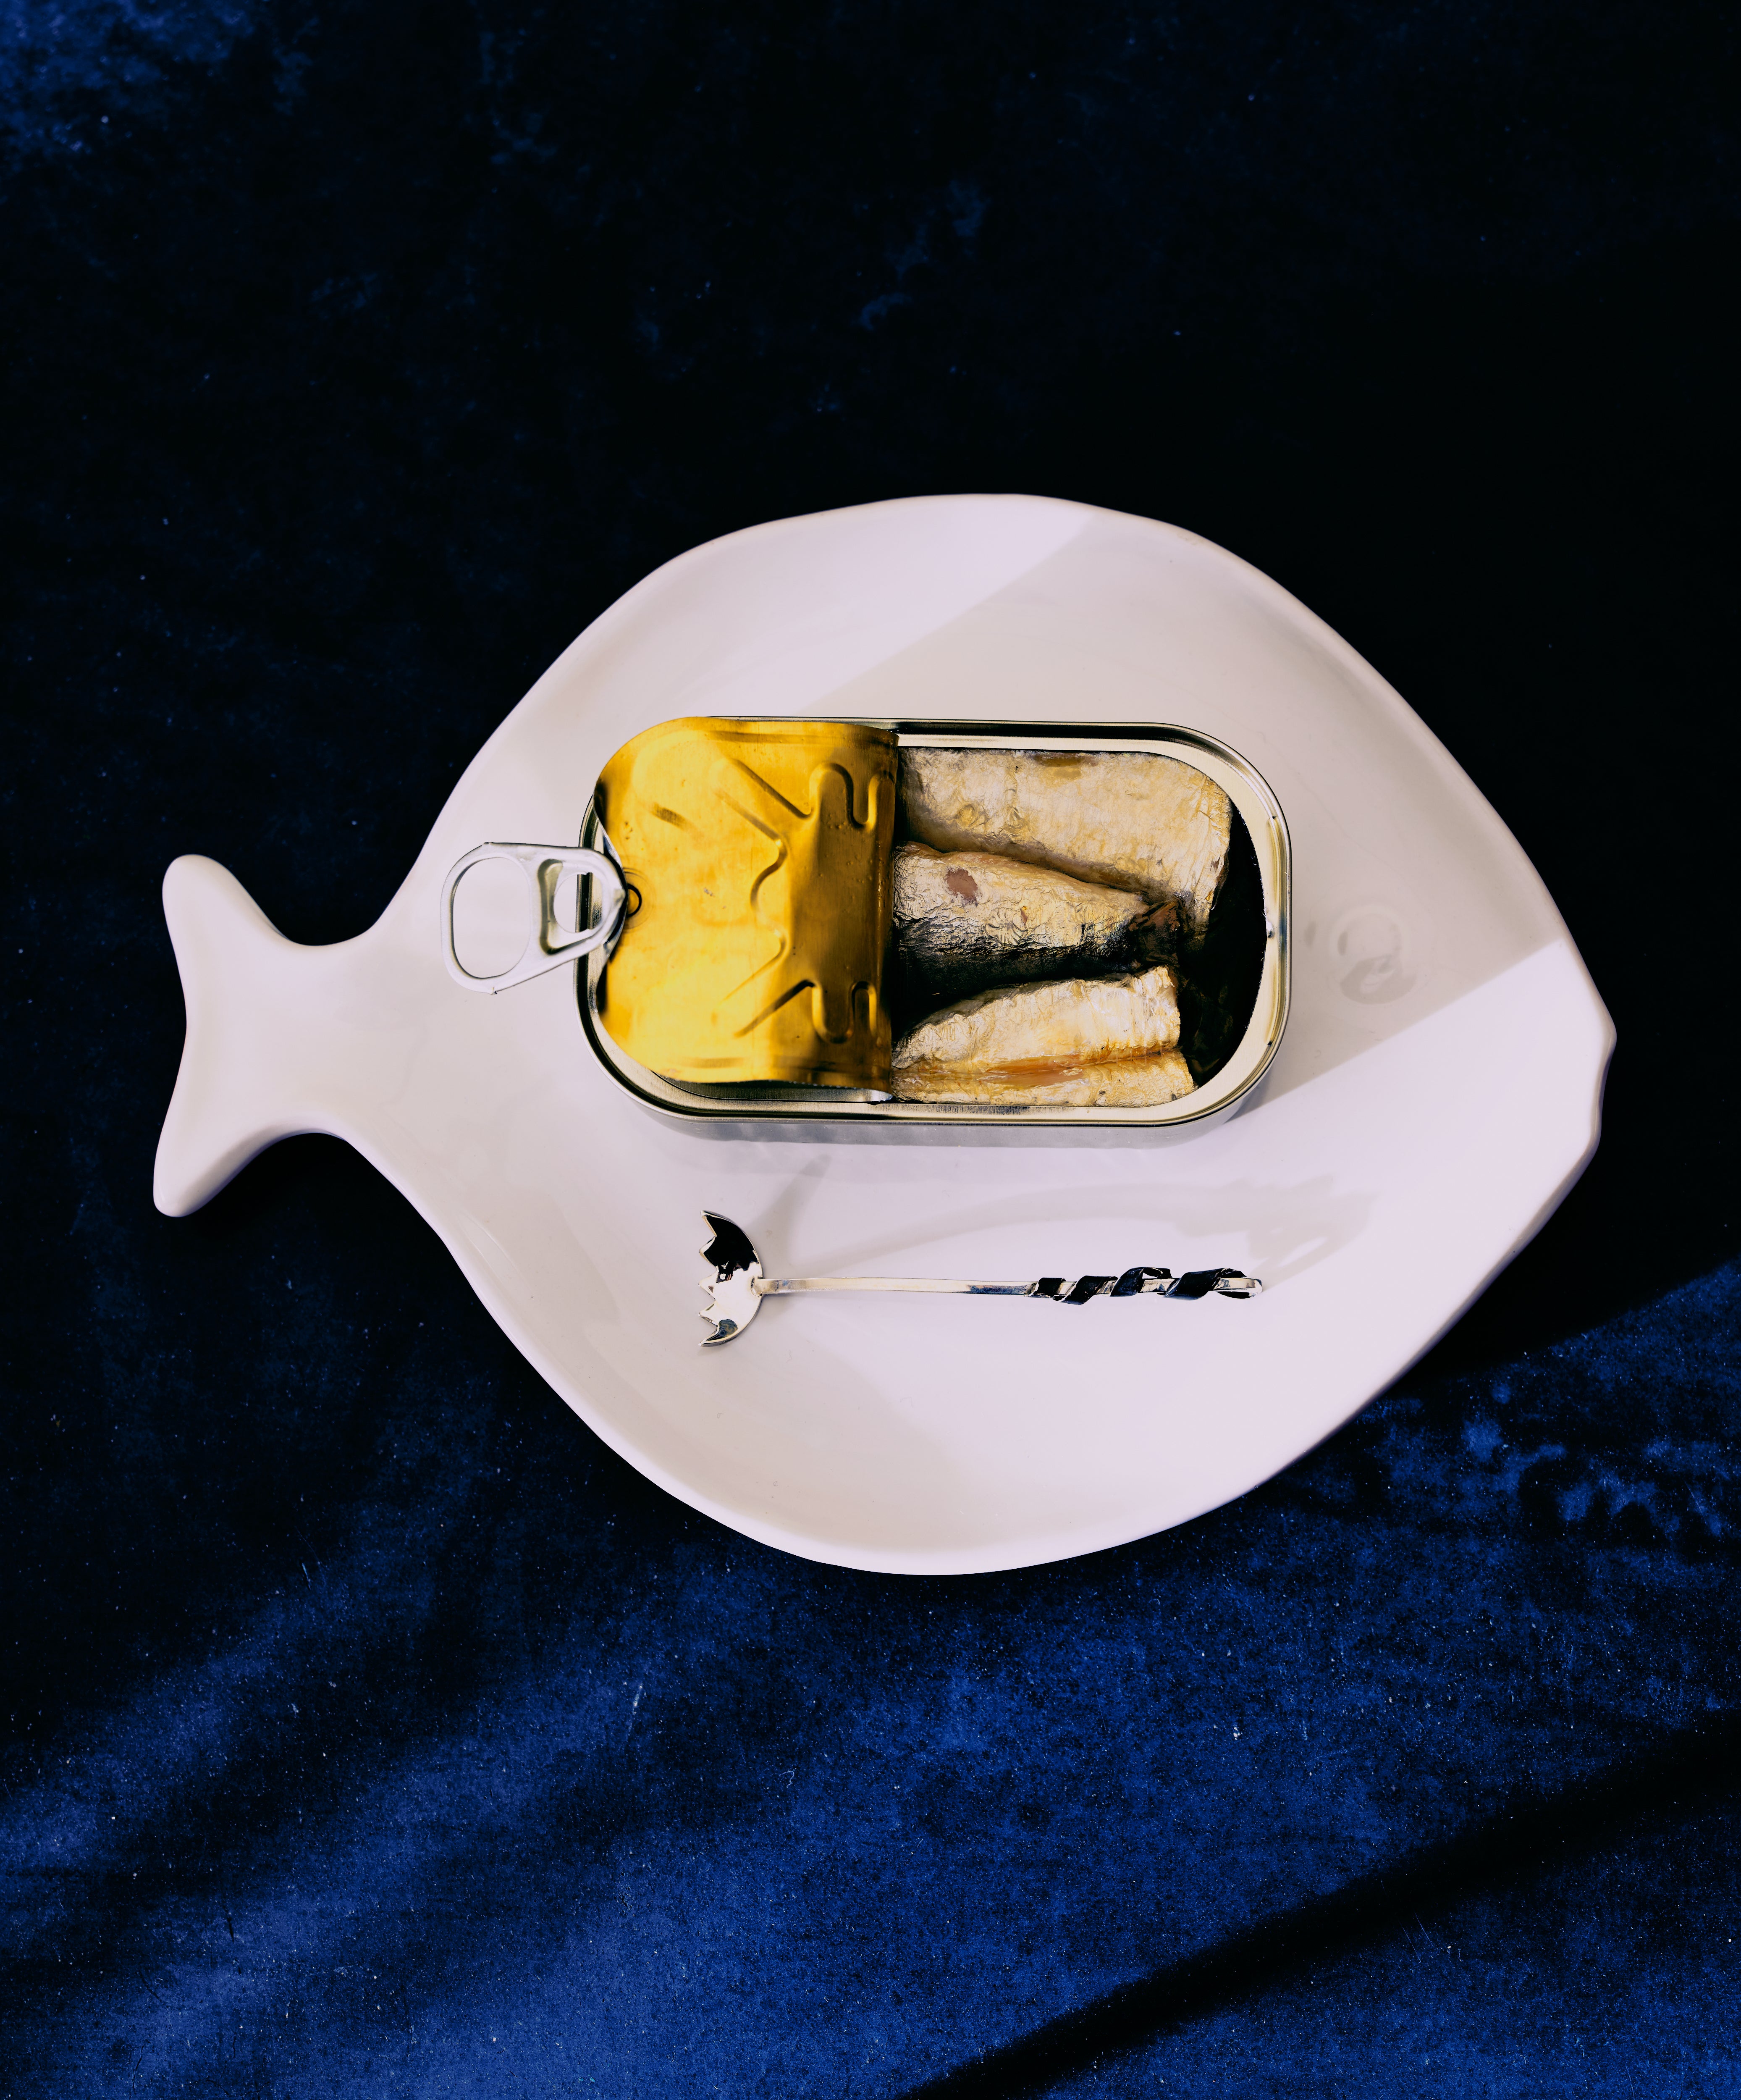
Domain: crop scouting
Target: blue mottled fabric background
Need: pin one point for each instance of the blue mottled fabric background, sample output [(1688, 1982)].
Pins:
[(370, 1729)]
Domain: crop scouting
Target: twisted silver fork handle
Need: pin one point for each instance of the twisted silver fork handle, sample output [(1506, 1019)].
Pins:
[(735, 1287), (1062, 1290)]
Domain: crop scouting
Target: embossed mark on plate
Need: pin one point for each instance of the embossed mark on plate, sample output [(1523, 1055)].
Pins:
[(1372, 954)]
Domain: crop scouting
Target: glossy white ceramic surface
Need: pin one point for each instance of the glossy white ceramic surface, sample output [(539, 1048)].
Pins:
[(1437, 1091)]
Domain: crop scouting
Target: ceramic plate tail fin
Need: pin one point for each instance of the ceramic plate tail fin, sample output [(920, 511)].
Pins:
[(269, 1023)]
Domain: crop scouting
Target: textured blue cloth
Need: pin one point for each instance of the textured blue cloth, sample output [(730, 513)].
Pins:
[(370, 1729), (480, 1768)]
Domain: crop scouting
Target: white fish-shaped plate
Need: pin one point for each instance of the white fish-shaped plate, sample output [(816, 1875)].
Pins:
[(1436, 1093)]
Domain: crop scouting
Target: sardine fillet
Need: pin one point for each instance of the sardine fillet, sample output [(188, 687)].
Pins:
[(1133, 819), (1027, 1042), (964, 919), (1130, 1083)]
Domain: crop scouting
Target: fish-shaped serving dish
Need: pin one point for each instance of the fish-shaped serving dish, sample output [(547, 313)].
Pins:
[(889, 923), (1435, 1091)]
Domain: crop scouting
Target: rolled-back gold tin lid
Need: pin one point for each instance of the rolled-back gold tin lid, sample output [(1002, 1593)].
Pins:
[(760, 853)]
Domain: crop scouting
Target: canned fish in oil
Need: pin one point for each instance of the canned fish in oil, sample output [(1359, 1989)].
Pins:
[(765, 981)]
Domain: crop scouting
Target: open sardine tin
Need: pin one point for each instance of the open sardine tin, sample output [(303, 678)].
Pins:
[(752, 982)]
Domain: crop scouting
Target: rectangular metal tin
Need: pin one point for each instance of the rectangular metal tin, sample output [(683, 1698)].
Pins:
[(833, 1113)]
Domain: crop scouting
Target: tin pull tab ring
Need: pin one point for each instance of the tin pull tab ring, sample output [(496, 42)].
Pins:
[(548, 944)]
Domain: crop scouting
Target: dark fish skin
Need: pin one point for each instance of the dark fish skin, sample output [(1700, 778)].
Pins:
[(971, 922)]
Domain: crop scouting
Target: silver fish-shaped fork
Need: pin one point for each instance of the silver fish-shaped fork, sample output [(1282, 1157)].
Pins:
[(735, 1285)]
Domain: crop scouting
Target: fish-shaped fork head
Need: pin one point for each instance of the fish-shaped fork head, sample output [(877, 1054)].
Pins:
[(732, 1270)]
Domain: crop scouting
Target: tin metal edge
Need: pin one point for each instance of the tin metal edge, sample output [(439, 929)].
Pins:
[(1265, 822)]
